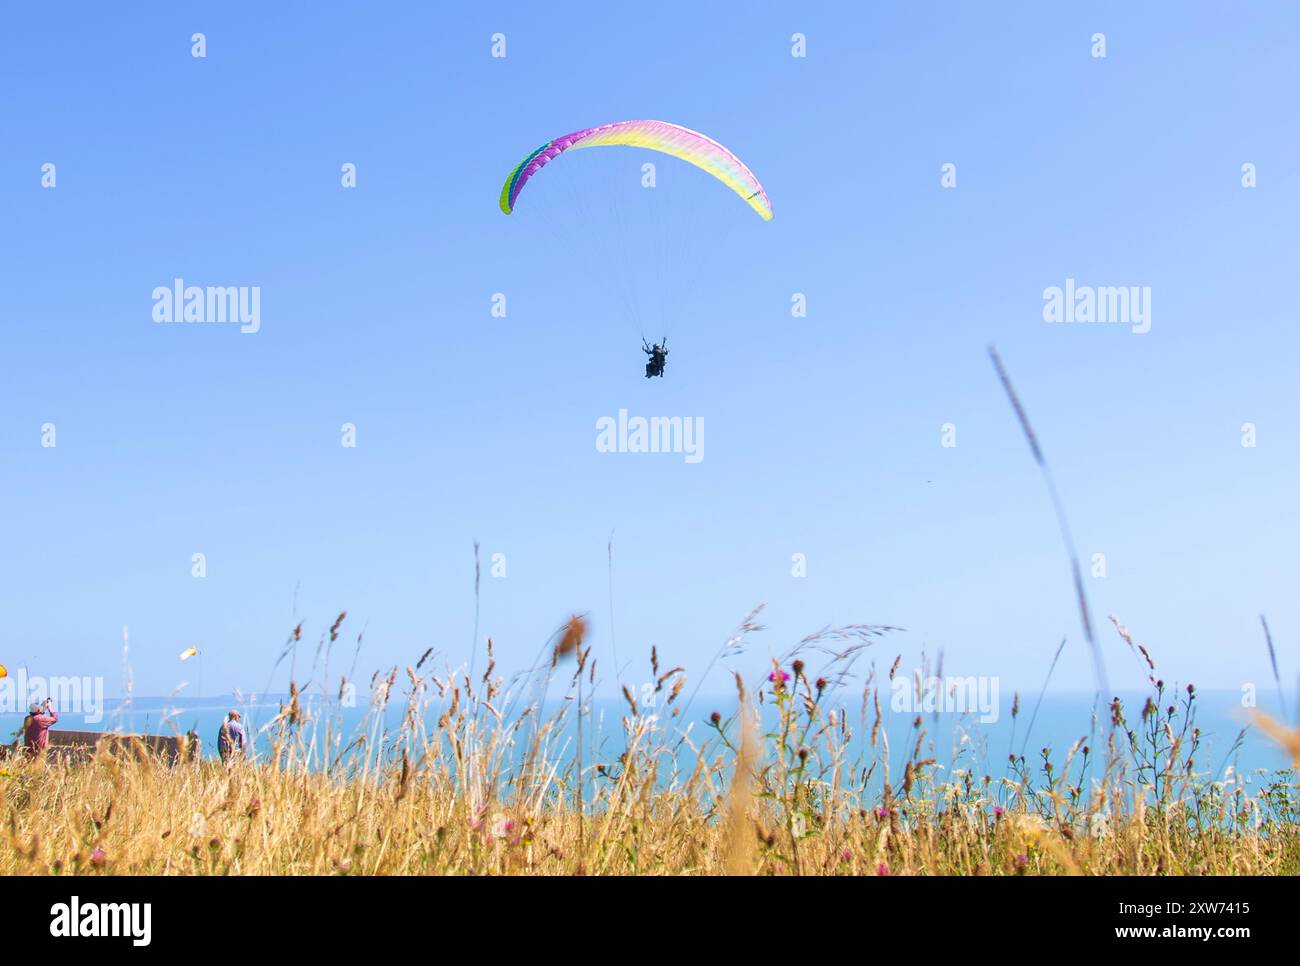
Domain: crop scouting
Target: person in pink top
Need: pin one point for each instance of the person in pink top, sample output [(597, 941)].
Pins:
[(37, 732)]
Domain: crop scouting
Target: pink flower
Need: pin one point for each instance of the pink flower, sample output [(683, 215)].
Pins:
[(476, 823), (98, 859), (882, 868)]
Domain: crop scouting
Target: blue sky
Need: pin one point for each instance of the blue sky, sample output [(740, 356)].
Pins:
[(822, 433)]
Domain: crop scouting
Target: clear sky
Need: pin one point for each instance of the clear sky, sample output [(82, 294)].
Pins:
[(823, 433)]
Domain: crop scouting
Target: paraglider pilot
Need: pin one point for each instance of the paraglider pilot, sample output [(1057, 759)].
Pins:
[(658, 354)]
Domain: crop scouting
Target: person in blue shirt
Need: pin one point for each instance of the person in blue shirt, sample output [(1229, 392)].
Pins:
[(232, 740)]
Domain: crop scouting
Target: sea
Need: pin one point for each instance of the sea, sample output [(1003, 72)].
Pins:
[(1231, 748)]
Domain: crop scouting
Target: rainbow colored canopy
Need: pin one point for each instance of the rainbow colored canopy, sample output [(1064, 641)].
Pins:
[(680, 142)]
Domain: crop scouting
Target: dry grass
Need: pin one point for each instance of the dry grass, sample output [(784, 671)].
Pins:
[(481, 776), (476, 780)]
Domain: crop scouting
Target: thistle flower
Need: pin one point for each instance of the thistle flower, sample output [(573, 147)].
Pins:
[(778, 679)]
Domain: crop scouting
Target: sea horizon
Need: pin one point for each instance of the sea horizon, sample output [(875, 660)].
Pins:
[(955, 737)]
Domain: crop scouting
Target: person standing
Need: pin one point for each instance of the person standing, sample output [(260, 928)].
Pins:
[(232, 740), (36, 732)]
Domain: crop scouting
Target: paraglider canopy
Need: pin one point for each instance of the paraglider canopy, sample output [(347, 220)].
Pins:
[(673, 139)]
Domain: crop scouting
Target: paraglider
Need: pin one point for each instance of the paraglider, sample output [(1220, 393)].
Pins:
[(188, 653), (672, 139), (658, 354)]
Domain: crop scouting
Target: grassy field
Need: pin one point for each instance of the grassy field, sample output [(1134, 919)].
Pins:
[(475, 781), (796, 777)]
